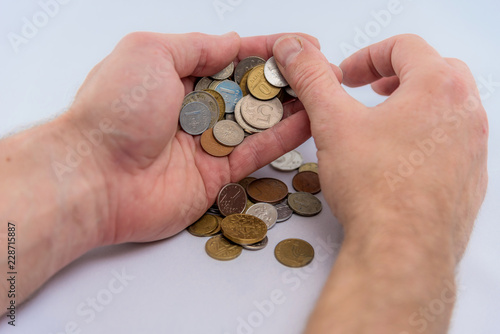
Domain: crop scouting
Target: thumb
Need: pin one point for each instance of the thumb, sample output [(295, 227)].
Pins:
[(313, 78)]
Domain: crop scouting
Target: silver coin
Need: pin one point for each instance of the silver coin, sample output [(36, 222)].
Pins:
[(231, 93), (284, 212), (203, 83), (206, 99), (304, 204), (266, 212), (261, 114), (288, 161), (195, 118), (257, 246), (214, 84), (230, 117), (246, 65), (290, 92), (273, 74), (225, 72), (239, 119), (228, 133)]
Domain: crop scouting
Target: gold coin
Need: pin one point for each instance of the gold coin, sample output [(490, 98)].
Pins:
[(222, 249), (294, 253), (244, 229), (309, 167), (220, 102), (249, 204), (244, 83), (204, 226), (258, 85), (218, 229)]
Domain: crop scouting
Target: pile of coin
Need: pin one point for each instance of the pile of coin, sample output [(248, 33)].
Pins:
[(224, 111), (244, 212)]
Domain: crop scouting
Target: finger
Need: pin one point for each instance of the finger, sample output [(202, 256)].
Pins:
[(398, 56), (292, 107), (199, 54), (311, 76), (338, 72), (262, 148), (262, 46), (386, 86)]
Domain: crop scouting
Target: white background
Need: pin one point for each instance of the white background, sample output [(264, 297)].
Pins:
[(176, 287)]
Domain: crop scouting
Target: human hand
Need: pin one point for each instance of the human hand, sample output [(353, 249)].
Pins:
[(158, 179), (420, 154)]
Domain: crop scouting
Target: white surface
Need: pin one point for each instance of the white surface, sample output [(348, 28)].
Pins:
[(176, 287)]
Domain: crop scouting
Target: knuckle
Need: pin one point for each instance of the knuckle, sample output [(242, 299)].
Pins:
[(308, 76)]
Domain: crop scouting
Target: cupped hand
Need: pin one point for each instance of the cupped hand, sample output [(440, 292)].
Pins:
[(417, 161), (158, 178)]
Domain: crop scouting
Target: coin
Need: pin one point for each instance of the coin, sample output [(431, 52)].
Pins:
[(232, 199), (204, 226), (249, 204), (257, 246), (212, 146), (261, 114), (284, 212), (267, 190), (243, 229), (222, 249), (306, 181), (304, 204), (231, 93), (218, 229), (225, 72), (214, 84), (203, 83), (273, 74), (245, 65), (230, 117), (290, 92), (288, 161), (244, 84), (239, 119), (195, 117), (244, 183), (258, 86), (309, 166), (266, 212), (228, 133), (220, 102), (208, 100), (294, 253)]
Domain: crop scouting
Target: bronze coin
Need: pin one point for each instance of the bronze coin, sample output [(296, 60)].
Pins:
[(306, 182), (244, 183), (232, 199), (212, 146), (267, 190)]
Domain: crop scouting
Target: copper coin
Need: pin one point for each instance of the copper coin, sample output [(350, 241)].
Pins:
[(232, 199), (246, 181), (212, 146), (307, 182), (267, 190)]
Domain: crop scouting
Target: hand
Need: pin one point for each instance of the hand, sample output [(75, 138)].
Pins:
[(158, 178), (421, 153)]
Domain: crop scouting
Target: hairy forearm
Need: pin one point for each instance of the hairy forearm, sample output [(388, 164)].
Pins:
[(395, 279), (55, 214)]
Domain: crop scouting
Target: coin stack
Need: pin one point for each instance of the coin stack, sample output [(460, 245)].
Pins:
[(245, 211), (224, 111)]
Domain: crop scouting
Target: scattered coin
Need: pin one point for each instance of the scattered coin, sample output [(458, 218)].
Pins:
[(257, 246), (228, 133), (288, 161), (212, 146), (306, 181), (245, 65), (230, 117), (239, 119), (304, 204), (267, 190), (225, 72), (222, 249), (195, 118), (243, 229), (258, 85), (232, 199), (220, 102), (244, 84), (291, 92), (231, 93), (266, 212), (244, 183), (261, 114), (204, 226), (203, 83), (309, 166), (294, 253), (273, 74), (208, 100), (284, 212)]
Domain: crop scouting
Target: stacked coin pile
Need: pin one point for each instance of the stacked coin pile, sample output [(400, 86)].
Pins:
[(245, 211), (224, 111)]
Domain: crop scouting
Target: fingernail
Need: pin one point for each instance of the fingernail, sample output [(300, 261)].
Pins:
[(286, 49)]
